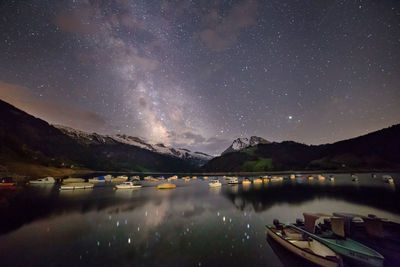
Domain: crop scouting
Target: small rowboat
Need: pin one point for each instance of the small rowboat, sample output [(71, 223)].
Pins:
[(128, 185), (257, 181), (166, 186), (6, 185), (246, 181), (303, 245)]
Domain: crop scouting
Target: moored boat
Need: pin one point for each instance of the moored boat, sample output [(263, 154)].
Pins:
[(331, 178), (321, 177), (73, 180), (246, 181), (303, 245), (292, 176), (135, 178), (257, 181), (336, 239), (215, 183), (119, 179), (108, 177), (233, 180), (388, 179), (96, 180), (166, 186), (276, 179), (128, 185), (7, 183), (45, 180)]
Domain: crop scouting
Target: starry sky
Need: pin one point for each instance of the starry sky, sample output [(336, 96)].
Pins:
[(197, 74)]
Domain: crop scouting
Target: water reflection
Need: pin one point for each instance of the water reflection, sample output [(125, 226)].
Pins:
[(190, 225)]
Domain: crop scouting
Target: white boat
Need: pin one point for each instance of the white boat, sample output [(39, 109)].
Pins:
[(108, 177), (215, 183), (135, 178), (46, 180), (96, 180), (119, 179), (173, 178), (233, 180), (128, 185), (388, 179), (73, 186), (73, 180)]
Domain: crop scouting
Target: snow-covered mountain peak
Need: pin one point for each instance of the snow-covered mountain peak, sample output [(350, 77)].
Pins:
[(244, 142)]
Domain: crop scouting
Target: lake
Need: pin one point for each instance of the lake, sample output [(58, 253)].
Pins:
[(192, 225)]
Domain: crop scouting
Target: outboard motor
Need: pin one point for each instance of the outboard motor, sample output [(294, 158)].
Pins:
[(276, 222), (299, 222)]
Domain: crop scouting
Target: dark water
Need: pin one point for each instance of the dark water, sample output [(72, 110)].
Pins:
[(191, 225)]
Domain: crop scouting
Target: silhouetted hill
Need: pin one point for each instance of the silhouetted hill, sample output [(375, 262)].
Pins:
[(24, 138), (377, 150)]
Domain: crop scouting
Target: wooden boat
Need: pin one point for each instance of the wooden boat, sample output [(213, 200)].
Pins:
[(304, 246), (321, 177), (194, 177), (292, 176), (310, 177), (377, 233), (45, 180), (331, 178), (128, 185), (166, 186), (215, 183), (205, 177), (173, 178), (257, 181), (186, 179), (335, 239), (73, 180), (74, 186)]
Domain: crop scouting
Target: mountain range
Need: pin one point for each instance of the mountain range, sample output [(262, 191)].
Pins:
[(377, 150), (30, 140)]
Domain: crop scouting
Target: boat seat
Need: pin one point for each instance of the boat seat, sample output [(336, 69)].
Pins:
[(293, 235)]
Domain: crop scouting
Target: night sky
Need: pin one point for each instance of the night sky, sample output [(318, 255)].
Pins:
[(197, 74)]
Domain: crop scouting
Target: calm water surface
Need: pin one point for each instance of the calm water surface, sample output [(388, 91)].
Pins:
[(192, 225)]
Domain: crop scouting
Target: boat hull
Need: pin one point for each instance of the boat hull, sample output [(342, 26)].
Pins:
[(302, 253), (346, 247)]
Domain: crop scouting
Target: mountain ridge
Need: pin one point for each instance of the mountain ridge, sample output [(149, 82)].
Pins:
[(375, 150)]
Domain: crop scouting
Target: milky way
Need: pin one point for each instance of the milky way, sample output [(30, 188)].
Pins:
[(198, 74)]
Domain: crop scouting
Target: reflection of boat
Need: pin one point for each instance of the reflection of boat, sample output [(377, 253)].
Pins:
[(303, 245), (246, 181), (46, 180), (166, 186), (96, 180), (335, 239), (73, 180), (73, 186), (387, 179), (215, 183), (128, 185)]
